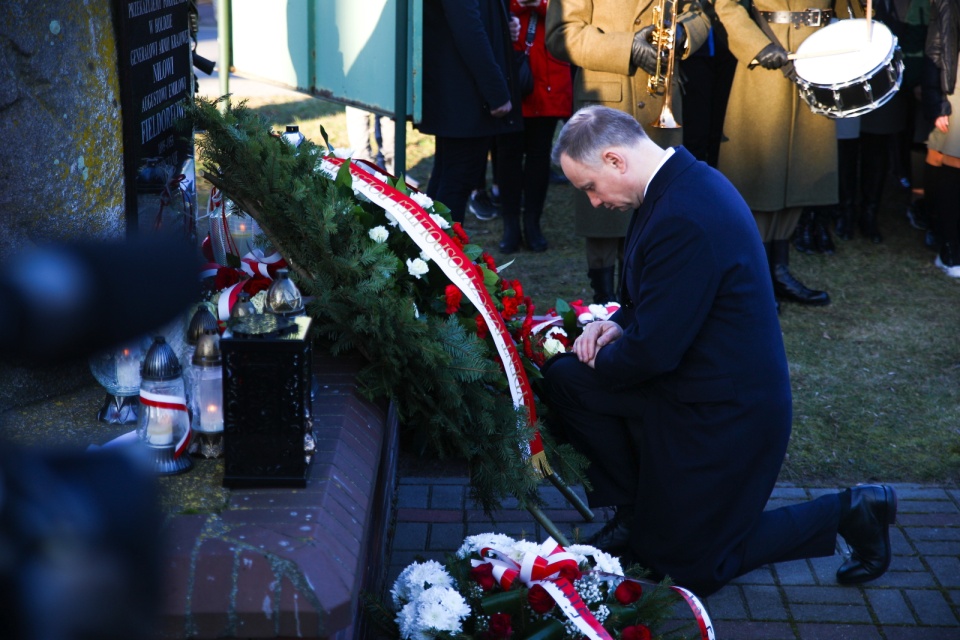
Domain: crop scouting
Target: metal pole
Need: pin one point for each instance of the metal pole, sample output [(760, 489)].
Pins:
[(224, 37), (548, 525), (400, 90)]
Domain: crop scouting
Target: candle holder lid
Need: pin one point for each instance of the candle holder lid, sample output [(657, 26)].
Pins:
[(160, 363), (261, 326), (201, 321)]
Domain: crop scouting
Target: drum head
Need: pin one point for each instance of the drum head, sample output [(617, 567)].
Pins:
[(872, 50)]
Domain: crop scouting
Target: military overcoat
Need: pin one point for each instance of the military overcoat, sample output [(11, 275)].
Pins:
[(596, 36)]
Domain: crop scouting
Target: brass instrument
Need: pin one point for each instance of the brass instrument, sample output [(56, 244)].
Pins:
[(664, 41)]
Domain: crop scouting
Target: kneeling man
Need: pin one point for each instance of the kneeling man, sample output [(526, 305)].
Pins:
[(681, 400)]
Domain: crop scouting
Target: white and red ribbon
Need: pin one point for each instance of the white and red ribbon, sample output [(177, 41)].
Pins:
[(172, 403), (437, 245), (545, 566), (256, 263)]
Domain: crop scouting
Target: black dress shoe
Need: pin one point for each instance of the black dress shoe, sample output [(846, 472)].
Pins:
[(866, 528), (614, 537)]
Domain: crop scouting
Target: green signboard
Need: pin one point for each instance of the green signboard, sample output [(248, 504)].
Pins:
[(342, 50)]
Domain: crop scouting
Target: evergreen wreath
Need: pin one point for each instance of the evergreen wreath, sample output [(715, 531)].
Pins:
[(422, 345)]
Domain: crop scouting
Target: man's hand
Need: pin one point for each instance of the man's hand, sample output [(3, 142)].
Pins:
[(514, 28), (942, 122), (595, 335), (502, 110), (643, 54), (772, 56)]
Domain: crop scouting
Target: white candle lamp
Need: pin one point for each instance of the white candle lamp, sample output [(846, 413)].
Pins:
[(164, 424), (206, 397), (118, 372)]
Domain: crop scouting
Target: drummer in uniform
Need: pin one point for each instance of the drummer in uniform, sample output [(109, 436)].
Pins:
[(779, 154)]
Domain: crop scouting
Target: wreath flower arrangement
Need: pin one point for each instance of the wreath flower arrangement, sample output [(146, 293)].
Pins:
[(495, 587), (373, 290)]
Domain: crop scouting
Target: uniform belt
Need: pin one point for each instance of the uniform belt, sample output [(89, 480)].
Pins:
[(808, 18)]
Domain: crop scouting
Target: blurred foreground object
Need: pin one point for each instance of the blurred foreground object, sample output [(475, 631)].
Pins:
[(63, 301), (79, 545)]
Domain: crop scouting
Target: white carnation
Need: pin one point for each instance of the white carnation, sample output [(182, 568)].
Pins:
[(343, 153), (416, 578), (585, 318), (424, 257), (473, 544), (422, 199), (555, 331), (391, 219), (417, 267), (599, 311), (440, 220), (379, 234)]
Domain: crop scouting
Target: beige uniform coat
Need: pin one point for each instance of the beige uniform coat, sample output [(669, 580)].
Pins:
[(776, 151), (596, 36)]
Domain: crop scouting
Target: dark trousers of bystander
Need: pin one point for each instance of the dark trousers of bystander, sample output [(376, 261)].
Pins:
[(458, 164), (523, 162)]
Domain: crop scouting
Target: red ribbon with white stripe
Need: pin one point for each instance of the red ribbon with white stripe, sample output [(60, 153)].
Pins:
[(170, 403), (437, 245), (547, 567)]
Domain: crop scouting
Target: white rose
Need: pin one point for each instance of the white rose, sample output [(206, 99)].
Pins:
[(417, 267), (379, 234), (552, 346)]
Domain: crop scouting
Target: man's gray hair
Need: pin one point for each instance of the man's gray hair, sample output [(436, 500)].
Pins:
[(591, 130)]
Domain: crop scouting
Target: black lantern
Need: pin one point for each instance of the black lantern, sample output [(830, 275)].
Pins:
[(267, 366)]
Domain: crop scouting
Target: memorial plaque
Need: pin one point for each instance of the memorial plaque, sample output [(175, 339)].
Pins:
[(155, 78)]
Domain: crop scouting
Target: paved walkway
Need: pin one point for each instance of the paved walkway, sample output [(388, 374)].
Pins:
[(918, 598)]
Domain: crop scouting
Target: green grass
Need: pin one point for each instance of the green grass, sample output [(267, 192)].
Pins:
[(875, 375)]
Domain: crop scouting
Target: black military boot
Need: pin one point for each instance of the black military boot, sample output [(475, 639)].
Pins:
[(601, 280), (821, 232), (785, 285)]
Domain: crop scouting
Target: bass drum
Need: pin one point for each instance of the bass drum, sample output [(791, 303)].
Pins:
[(849, 68)]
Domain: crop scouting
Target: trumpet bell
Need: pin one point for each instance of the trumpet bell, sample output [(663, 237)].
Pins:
[(666, 120)]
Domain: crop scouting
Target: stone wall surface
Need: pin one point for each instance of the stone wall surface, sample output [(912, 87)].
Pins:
[(61, 170), (61, 173)]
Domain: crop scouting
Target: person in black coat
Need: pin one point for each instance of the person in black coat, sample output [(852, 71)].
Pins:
[(470, 92), (681, 401)]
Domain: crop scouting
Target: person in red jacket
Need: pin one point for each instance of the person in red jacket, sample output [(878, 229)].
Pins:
[(523, 157)]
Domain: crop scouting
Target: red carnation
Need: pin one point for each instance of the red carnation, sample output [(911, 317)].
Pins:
[(636, 632), (458, 229), (518, 288), (510, 307), (540, 601), (481, 327), (453, 297), (628, 592), (483, 575), (500, 626), (488, 260)]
